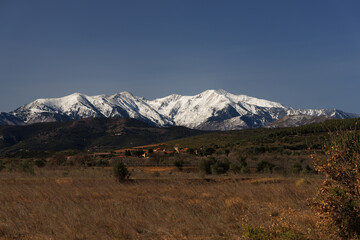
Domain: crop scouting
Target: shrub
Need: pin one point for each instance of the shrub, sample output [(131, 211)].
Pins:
[(80, 159), (301, 182), (209, 151), (179, 164), (2, 165), (40, 162), (245, 169), (235, 168), (296, 168), (278, 170), (210, 165), (308, 170), (26, 166), (191, 151), (242, 161), (102, 163), (265, 167), (121, 172), (205, 165), (338, 200), (227, 152), (58, 160), (262, 233), (138, 153), (220, 167)]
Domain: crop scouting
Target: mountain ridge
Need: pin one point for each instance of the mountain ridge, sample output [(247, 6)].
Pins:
[(208, 110)]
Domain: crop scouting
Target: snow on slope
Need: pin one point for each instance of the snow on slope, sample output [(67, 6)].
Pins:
[(192, 111), (211, 109), (77, 106)]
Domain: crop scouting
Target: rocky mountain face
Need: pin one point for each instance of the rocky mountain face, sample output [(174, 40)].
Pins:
[(9, 119), (209, 110)]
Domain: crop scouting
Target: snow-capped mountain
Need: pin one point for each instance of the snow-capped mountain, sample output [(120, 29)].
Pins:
[(9, 119), (209, 110), (77, 106)]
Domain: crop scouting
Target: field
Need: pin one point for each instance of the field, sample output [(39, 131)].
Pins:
[(89, 204), (250, 184)]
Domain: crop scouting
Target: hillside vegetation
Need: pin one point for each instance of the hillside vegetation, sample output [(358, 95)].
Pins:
[(94, 134)]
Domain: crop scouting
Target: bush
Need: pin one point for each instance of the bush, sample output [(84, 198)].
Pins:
[(80, 159), (26, 166), (179, 164), (244, 169), (261, 233), (209, 151), (138, 153), (278, 170), (338, 200), (227, 152), (40, 162), (102, 163), (220, 167), (191, 151), (58, 160), (265, 167), (2, 165), (308, 170), (205, 165), (211, 166), (296, 168), (242, 161), (235, 168), (121, 172)]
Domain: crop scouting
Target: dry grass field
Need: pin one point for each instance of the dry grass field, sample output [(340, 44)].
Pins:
[(90, 204)]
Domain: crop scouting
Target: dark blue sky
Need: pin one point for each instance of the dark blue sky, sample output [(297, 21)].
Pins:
[(304, 54)]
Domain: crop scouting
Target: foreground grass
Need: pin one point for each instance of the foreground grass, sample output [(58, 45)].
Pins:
[(97, 207)]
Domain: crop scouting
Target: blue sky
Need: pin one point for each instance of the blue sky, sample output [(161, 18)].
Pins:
[(304, 54)]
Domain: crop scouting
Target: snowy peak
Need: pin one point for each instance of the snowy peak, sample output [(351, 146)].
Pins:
[(210, 106), (210, 110)]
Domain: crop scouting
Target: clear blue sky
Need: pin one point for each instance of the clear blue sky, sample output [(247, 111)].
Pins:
[(303, 53)]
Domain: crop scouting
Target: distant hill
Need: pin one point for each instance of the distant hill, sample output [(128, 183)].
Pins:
[(270, 140), (91, 133)]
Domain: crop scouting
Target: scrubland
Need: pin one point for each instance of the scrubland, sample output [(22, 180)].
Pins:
[(90, 204)]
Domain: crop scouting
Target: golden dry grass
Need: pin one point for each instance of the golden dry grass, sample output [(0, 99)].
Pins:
[(51, 206)]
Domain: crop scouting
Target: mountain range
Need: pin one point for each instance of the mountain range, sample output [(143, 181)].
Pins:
[(209, 110)]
